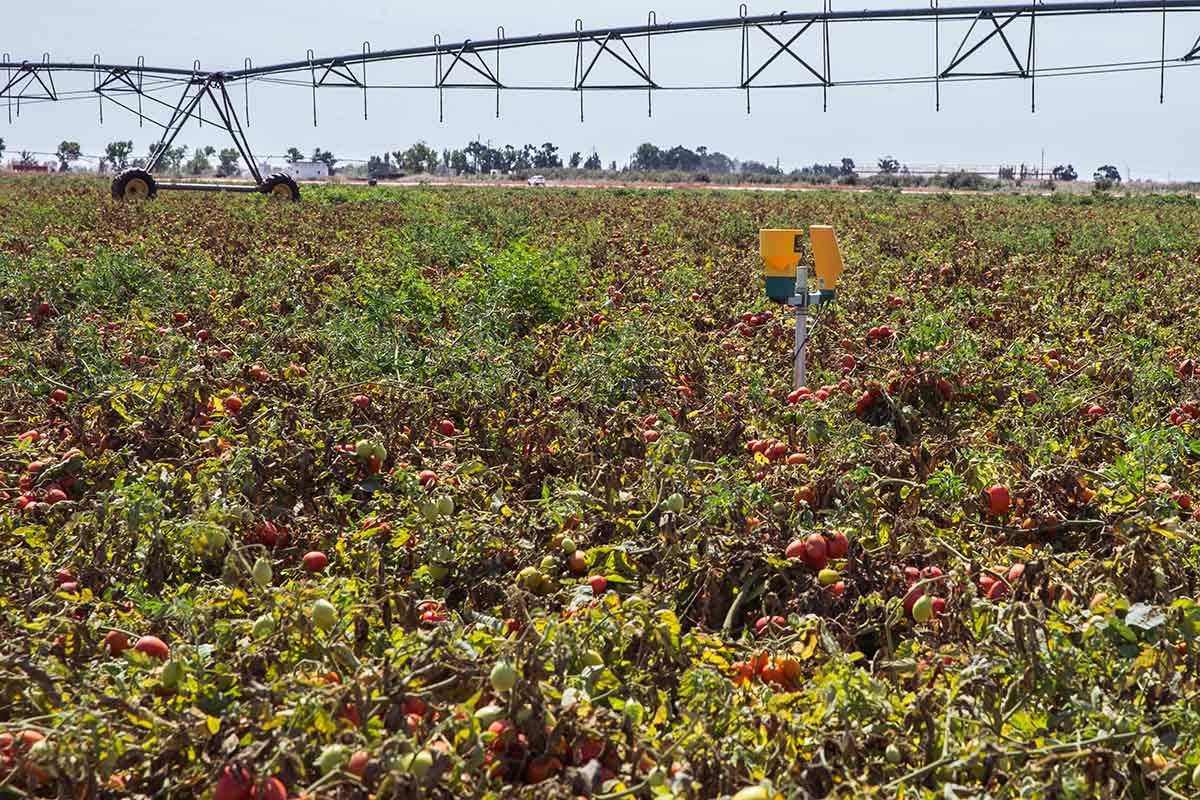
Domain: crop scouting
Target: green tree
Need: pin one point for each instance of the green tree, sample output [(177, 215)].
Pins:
[(888, 165), (418, 158), (847, 167), (229, 158), (593, 162), (117, 154), (66, 153), (1107, 173), (294, 156), (199, 163), (1067, 173), (1, 147), (27, 159), (325, 157), (647, 157), (576, 159), (172, 158)]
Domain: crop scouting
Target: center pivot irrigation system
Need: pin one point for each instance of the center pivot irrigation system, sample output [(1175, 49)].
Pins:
[(178, 95)]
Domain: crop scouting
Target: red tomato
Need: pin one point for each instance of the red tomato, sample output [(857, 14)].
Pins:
[(153, 647)]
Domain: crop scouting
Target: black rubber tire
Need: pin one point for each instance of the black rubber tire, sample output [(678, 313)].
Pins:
[(133, 185), (277, 184)]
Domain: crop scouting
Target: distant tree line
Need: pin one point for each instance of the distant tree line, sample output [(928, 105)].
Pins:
[(479, 158)]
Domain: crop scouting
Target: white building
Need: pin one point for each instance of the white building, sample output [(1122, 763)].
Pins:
[(300, 171)]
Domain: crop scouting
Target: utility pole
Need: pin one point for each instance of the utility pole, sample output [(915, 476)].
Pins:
[(1042, 172)]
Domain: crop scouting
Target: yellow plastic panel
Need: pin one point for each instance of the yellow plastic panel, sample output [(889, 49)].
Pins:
[(827, 256), (780, 250)]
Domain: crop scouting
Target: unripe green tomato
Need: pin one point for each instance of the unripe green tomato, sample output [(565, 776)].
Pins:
[(417, 763), (922, 610), (445, 505), (172, 674), (379, 451), (332, 758), (364, 449), (568, 545), (216, 539), (549, 565), (488, 714), (503, 676), (828, 577), (1196, 777), (674, 503), (264, 626), (892, 754), (324, 615), (1160, 579), (262, 572), (429, 511), (656, 776), (592, 659), (439, 572), (635, 711), (527, 577), (779, 510)]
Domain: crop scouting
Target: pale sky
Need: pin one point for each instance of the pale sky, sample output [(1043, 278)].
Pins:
[(1087, 121)]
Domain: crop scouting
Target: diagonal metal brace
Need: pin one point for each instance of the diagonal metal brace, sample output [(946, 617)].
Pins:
[(483, 70), (1194, 53), (998, 30), (786, 47), (26, 76), (632, 63), (341, 74)]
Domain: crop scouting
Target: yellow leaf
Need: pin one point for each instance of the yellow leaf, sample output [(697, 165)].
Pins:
[(213, 724)]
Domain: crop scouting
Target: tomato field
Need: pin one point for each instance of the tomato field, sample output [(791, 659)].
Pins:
[(505, 493)]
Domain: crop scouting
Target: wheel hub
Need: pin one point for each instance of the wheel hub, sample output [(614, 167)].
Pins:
[(137, 189)]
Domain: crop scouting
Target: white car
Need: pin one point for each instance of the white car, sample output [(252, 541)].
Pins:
[(537, 180)]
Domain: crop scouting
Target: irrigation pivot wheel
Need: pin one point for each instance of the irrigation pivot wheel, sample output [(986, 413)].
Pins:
[(281, 187), (134, 185)]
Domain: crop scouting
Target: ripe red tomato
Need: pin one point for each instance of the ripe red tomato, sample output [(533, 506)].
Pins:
[(816, 550), (795, 550), (598, 583), (233, 784), (838, 545), (233, 404), (427, 477), (273, 789), (59, 396), (447, 427), (116, 643), (358, 763), (315, 561), (361, 401), (999, 500), (911, 597), (153, 647)]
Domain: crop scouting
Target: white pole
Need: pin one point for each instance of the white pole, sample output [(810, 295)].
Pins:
[(801, 324)]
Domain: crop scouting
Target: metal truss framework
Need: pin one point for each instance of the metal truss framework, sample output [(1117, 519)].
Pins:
[(476, 65)]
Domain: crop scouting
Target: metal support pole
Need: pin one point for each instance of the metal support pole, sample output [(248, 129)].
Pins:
[(801, 325)]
